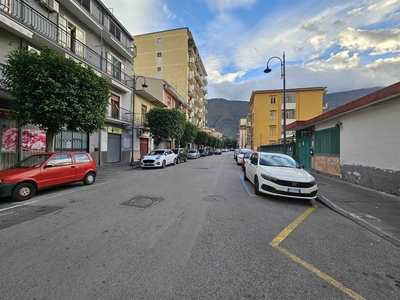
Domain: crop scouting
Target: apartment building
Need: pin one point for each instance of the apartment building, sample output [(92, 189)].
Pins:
[(89, 33), (267, 112), (172, 55), (159, 93)]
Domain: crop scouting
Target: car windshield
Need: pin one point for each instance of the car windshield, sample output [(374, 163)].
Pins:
[(247, 154), (274, 160), (33, 161), (156, 152), (175, 151)]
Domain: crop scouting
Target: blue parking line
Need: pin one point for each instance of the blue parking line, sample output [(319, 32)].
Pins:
[(244, 184)]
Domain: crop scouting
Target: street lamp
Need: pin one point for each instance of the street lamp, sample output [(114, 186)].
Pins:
[(283, 75), (144, 85)]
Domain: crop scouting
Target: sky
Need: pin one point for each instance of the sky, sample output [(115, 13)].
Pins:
[(338, 44)]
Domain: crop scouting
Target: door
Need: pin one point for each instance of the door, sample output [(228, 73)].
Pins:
[(114, 148), (304, 155), (144, 146), (59, 169)]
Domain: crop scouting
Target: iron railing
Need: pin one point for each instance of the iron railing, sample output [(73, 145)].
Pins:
[(23, 13)]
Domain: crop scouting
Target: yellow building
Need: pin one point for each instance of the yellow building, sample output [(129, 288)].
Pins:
[(172, 55), (267, 112)]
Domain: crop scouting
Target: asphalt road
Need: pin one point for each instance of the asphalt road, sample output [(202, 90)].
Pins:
[(190, 231)]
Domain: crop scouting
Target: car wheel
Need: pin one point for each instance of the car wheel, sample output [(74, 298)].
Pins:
[(185, 159), (89, 178), (164, 164), (174, 161), (245, 175), (23, 191), (256, 187), (178, 161)]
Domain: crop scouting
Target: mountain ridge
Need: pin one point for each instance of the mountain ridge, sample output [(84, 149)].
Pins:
[(224, 115)]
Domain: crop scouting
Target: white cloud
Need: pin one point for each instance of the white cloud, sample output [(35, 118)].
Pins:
[(337, 61), (379, 41)]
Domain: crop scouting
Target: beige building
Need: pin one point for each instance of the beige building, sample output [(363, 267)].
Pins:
[(173, 56)]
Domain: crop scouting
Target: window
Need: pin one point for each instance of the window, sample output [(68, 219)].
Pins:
[(272, 100), (272, 129), (158, 69), (70, 36), (61, 160), (144, 111), (169, 101), (115, 31), (159, 40), (115, 67), (81, 158), (291, 98), (114, 107), (290, 114), (272, 115), (159, 54), (327, 142)]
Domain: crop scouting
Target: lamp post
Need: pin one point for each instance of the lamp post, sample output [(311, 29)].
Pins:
[(144, 85), (283, 75)]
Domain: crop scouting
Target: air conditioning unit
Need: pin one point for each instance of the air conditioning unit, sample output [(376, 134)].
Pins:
[(52, 5), (33, 50)]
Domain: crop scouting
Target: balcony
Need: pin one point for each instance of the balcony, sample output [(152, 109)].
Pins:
[(199, 92), (118, 115), (191, 92), (191, 78), (191, 64), (51, 34)]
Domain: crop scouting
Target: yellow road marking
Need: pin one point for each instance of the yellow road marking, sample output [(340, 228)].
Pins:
[(284, 233)]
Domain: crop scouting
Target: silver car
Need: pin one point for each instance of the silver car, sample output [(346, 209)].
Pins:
[(193, 153)]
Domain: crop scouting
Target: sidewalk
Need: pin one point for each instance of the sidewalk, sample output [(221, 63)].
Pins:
[(377, 211)]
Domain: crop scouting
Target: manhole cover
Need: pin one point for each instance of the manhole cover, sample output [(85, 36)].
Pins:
[(213, 198), (142, 201)]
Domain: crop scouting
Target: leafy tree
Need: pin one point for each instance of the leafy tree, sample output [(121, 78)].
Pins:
[(228, 143), (189, 134), (165, 123), (201, 138), (54, 93)]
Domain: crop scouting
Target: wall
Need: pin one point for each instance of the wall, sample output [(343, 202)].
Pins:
[(370, 147)]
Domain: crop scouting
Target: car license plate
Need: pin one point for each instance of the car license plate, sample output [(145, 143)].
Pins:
[(292, 190), (147, 164)]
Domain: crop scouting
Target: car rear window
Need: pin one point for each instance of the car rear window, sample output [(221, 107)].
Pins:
[(81, 158)]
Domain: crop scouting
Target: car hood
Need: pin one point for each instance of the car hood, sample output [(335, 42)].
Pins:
[(152, 156), (12, 175), (290, 174)]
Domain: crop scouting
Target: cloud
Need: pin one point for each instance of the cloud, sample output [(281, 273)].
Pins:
[(224, 5), (341, 60), (380, 41)]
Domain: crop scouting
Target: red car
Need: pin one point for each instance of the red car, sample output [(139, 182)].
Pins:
[(43, 170)]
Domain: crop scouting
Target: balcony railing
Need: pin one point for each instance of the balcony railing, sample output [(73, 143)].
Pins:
[(23, 13)]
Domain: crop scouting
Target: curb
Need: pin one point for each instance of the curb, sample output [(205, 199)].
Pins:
[(325, 201)]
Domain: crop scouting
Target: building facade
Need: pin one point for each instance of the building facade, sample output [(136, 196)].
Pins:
[(87, 32), (266, 108), (173, 56), (357, 142)]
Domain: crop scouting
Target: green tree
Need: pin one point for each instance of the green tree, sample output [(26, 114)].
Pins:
[(201, 138), (189, 134), (54, 93), (165, 123)]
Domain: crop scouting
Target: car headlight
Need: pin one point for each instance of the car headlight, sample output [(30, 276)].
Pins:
[(268, 177), (313, 182)]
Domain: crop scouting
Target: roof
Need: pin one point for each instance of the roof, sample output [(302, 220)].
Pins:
[(386, 94)]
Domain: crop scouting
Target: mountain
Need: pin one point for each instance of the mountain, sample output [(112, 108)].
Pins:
[(224, 115)]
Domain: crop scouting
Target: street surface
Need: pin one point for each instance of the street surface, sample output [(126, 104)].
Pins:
[(191, 231)]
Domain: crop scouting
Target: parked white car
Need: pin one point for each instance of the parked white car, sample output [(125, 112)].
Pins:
[(193, 153), (239, 157), (158, 158), (279, 175)]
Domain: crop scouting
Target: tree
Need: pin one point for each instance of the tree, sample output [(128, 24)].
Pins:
[(201, 138), (165, 123), (54, 93), (189, 134)]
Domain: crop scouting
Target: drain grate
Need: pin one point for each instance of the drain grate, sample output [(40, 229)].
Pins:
[(214, 198), (142, 201)]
